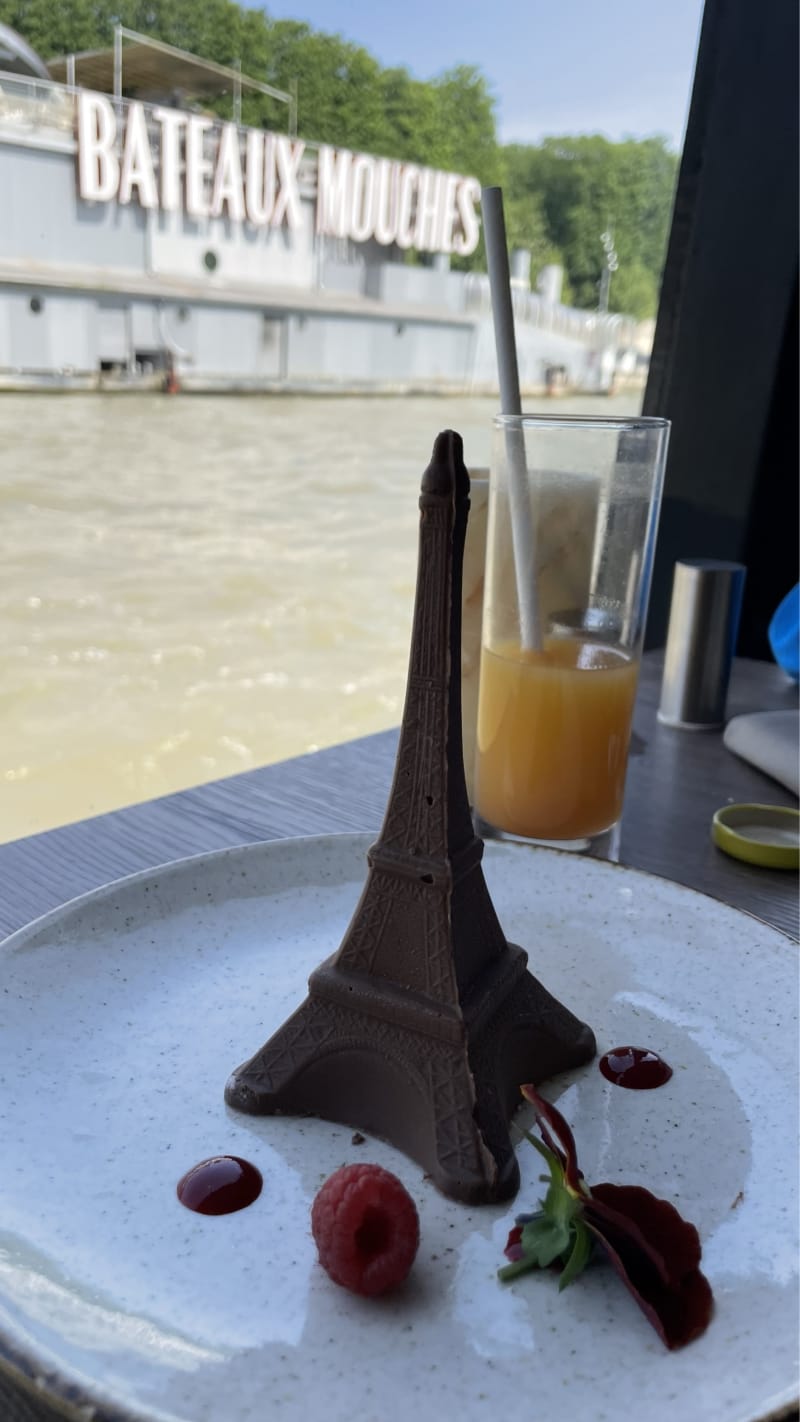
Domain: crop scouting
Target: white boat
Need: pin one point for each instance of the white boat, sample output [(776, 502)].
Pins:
[(151, 243)]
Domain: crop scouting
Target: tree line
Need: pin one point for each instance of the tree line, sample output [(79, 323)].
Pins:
[(560, 195)]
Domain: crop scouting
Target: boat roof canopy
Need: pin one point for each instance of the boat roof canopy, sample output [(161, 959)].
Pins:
[(143, 68)]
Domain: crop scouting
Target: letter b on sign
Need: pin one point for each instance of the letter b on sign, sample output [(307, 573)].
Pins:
[(98, 165)]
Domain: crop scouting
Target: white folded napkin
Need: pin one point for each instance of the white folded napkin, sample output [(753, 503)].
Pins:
[(770, 740)]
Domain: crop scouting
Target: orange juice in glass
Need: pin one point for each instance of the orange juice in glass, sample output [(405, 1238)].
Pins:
[(563, 622), (553, 731)]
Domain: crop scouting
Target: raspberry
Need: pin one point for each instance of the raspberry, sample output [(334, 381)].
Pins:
[(366, 1229)]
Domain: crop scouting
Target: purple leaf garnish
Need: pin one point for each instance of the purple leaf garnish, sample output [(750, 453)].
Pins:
[(654, 1251)]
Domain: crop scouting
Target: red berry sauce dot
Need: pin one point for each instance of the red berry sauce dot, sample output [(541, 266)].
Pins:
[(636, 1068), (220, 1185)]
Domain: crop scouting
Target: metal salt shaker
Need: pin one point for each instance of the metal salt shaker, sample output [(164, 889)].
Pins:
[(701, 641)]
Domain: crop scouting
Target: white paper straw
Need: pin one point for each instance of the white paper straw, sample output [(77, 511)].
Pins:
[(494, 231)]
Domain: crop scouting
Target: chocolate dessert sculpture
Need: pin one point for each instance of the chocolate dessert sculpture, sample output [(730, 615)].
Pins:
[(423, 1025)]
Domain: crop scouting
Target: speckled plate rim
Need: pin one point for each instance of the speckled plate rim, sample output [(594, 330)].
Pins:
[(186, 862), (23, 1366), (645, 874)]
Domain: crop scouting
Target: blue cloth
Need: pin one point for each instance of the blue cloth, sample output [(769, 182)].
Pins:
[(784, 633)]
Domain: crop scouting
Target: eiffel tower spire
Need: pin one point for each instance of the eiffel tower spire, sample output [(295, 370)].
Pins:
[(423, 1024)]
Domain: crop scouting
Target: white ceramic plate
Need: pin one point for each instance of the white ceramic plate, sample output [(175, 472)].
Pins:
[(122, 1015)]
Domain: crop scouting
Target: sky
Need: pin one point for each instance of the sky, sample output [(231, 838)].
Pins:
[(616, 67)]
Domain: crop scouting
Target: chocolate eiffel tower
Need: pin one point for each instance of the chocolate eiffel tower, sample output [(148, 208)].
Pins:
[(423, 1025)]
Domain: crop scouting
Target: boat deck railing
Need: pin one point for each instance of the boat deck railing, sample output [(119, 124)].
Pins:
[(29, 104), (535, 310)]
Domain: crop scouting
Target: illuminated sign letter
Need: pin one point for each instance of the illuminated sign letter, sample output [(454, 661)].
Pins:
[(287, 205), (362, 198), (228, 176), (259, 180), (171, 124), (137, 161), (386, 201), (405, 217), (467, 239), (428, 211), (198, 167), (98, 168), (333, 182), (447, 214)]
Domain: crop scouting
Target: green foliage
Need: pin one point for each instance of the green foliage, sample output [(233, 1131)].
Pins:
[(466, 110), (413, 122), (588, 185), (338, 84), (55, 28), (526, 223), (634, 290), (559, 195)]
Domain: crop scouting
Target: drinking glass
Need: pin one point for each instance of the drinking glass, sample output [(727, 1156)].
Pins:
[(573, 512)]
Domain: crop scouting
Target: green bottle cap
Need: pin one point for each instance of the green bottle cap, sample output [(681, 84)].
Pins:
[(767, 835)]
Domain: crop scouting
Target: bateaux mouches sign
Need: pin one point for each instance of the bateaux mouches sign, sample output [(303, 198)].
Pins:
[(189, 163)]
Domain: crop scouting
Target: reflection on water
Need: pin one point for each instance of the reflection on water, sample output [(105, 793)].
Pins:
[(194, 586)]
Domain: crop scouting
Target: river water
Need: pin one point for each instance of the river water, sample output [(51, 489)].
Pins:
[(193, 586)]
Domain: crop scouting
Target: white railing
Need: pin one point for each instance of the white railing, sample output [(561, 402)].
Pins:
[(31, 104), (531, 309)]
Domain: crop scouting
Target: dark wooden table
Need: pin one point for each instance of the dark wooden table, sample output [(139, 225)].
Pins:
[(676, 780)]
